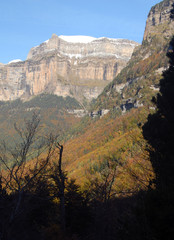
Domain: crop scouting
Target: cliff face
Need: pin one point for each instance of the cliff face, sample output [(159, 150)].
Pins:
[(138, 82), (158, 21), (66, 66)]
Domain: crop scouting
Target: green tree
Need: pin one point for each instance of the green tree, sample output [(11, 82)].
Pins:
[(159, 131), (18, 178)]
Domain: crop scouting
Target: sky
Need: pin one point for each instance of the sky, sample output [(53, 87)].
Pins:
[(27, 23)]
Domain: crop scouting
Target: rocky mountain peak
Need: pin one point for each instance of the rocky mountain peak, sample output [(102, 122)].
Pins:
[(158, 16), (138, 82), (76, 66), (84, 46)]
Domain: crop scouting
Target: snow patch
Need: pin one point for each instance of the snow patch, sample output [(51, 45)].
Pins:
[(78, 55), (77, 39), (15, 61), (88, 39), (97, 54)]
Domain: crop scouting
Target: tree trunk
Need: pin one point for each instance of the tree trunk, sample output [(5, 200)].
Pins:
[(62, 189)]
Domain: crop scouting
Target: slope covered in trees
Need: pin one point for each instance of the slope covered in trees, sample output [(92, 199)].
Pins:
[(38, 200), (52, 109), (159, 131), (139, 80), (118, 140), (126, 181)]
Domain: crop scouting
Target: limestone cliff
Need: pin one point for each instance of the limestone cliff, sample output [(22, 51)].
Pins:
[(158, 21), (138, 82), (75, 66)]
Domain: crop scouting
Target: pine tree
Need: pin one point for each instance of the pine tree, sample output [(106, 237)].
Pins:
[(159, 132)]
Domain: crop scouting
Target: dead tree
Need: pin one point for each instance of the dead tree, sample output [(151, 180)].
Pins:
[(18, 174), (102, 189), (59, 178)]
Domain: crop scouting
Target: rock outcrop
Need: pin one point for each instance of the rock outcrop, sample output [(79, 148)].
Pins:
[(158, 21), (75, 66), (138, 82)]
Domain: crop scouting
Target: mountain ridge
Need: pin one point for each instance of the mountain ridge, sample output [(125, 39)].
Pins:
[(79, 70), (138, 82)]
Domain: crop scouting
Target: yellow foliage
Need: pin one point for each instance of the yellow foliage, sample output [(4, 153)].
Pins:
[(119, 138)]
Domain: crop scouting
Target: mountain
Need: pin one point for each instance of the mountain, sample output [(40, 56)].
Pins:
[(118, 135), (76, 66), (133, 87), (138, 82), (118, 197), (93, 140), (57, 114)]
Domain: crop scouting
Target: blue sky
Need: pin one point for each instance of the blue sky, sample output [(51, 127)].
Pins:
[(27, 23)]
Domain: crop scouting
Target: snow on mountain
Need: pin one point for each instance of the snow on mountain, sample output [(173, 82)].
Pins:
[(88, 39), (15, 61), (71, 46), (77, 39)]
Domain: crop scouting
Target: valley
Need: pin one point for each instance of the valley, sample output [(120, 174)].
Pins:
[(101, 164)]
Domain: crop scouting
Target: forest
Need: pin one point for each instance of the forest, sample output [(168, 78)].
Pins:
[(128, 189)]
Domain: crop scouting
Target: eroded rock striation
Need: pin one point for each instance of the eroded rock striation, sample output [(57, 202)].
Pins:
[(76, 66), (139, 81), (159, 21)]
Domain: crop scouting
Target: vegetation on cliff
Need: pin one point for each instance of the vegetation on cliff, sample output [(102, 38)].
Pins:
[(159, 131), (123, 164), (142, 74)]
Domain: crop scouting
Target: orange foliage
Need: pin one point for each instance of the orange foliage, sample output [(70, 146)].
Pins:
[(119, 138)]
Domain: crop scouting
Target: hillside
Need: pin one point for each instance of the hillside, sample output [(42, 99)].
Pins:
[(90, 141), (117, 140), (53, 111), (117, 135), (109, 173), (139, 80)]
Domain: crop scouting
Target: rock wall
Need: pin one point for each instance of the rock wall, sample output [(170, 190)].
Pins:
[(158, 21), (139, 81), (66, 68)]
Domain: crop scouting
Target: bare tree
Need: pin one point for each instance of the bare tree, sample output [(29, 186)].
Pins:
[(59, 178), (18, 173), (102, 188)]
